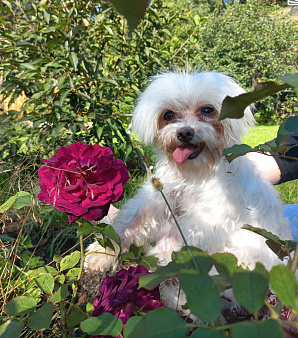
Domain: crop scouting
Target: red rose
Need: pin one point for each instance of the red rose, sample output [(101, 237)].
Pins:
[(121, 297), (82, 181)]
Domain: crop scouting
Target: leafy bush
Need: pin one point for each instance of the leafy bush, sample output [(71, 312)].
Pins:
[(80, 70), (254, 42)]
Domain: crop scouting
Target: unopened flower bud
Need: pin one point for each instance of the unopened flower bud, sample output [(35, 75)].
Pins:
[(157, 184)]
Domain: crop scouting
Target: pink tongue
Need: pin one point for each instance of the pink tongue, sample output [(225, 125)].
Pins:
[(181, 154)]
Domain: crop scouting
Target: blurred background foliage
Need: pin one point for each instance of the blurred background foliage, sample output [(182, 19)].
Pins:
[(75, 71)]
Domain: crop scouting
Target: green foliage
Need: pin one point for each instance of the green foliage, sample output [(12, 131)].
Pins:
[(80, 71), (254, 42)]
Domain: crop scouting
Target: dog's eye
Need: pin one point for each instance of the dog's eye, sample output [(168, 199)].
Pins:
[(207, 110), (168, 116)]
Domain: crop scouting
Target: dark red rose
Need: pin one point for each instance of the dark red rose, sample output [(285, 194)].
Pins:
[(121, 297), (82, 181)]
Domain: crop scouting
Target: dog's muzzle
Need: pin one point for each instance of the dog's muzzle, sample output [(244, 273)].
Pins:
[(187, 151)]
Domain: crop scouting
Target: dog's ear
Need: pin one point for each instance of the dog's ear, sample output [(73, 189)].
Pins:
[(144, 121)]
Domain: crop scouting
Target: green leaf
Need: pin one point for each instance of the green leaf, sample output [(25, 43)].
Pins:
[(23, 201), (74, 272), (21, 196), (70, 261), (130, 325), (180, 261), (45, 282), (267, 328), (250, 287), (233, 107), (20, 305), (8, 204), (73, 58), (161, 274), (63, 96), (203, 260), (288, 127), (263, 232), (6, 238), (36, 190), (85, 229), (132, 10), (285, 286), (105, 324), (46, 15), (11, 329), (291, 79), (44, 269), (61, 293), (28, 66), (41, 319), (75, 318), (108, 231), (225, 263), (236, 150), (166, 324), (202, 297), (208, 333)]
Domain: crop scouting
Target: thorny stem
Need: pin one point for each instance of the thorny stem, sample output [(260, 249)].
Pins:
[(79, 277), (181, 233), (63, 318)]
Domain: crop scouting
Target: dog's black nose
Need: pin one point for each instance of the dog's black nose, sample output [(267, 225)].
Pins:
[(185, 134)]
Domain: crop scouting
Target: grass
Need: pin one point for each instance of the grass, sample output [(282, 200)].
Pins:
[(261, 134)]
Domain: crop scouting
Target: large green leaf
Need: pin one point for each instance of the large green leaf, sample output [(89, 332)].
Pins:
[(75, 318), (105, 324), (180, 261), (20, 305), (70, 261), (202, 297), (285, 285), (61, 294), (233, 107), (267, 328), (250, 287), (41, 319), (160, 323), (45, 282), (11, 329)]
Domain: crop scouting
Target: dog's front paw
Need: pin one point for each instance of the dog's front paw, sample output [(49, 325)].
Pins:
[(101, 260)]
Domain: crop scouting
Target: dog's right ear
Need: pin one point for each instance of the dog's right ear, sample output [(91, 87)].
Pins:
[(144, 120), (148, 109)]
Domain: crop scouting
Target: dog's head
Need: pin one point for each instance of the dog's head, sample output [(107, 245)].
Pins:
[(178, 113)]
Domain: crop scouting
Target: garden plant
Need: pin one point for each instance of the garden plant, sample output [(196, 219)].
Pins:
[(81, 68)]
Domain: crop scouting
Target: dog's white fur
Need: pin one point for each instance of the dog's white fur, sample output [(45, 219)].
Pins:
[(211, 198)]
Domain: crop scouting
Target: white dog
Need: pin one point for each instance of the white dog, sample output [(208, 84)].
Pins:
[(212, 199)]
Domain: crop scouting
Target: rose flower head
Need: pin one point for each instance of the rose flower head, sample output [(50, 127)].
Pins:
[(82, 181), (121, 297)]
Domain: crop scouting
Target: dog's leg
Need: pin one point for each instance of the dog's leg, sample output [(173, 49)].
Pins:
[(137, 222)]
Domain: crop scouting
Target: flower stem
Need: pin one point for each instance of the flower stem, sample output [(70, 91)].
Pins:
[(75, 290), (63, 318), (181, 233)]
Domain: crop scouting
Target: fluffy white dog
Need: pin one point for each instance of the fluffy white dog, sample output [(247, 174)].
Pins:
[(212, 199)]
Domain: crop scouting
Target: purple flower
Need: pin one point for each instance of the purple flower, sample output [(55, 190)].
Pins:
[(121, 297), (82, 181)]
